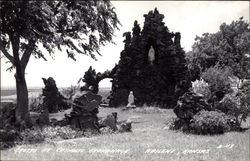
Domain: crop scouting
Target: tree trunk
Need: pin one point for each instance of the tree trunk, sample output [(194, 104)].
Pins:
[(22, 111)]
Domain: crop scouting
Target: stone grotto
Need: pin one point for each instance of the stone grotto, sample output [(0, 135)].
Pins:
[(152, 65)]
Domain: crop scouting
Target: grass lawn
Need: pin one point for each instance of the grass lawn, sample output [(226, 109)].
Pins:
[(150, 140)]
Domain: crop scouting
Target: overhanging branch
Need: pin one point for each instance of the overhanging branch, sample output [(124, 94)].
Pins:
[(6, 53), (70, 43), (26, 55)]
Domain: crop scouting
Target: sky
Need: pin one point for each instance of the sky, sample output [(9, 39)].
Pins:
[(190, 18)]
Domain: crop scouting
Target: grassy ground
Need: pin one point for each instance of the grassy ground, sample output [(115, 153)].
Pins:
[(150, 140)]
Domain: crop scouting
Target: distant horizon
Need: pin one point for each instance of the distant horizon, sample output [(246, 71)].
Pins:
[(37, 87)]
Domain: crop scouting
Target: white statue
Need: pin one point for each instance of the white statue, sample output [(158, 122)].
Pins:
[(131, 100), (151, 55)]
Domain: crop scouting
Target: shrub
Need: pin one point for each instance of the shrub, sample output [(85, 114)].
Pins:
[(64, 132), (235, 104), (218, 81), (230, 105), (178, 124), (38, 135), (200, 87), (70, 91), (8, 137), (189, 104), (210, 122), (244, 94), (35, 104), (32, 136)]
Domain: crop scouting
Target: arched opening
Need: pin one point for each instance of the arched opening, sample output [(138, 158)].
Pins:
[(104, 89), (105, 83)]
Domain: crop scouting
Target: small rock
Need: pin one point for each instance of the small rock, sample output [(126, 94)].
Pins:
[(125, 127), (110, 121)]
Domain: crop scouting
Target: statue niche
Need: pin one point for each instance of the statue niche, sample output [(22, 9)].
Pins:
[(151, 52), (151, 55)]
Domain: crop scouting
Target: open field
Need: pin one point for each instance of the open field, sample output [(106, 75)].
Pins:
[(104, 92), (10, 93), (150, 140), (7, 92)]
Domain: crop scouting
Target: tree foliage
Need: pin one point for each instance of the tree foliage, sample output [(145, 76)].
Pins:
[(78, 26), (229, 47)]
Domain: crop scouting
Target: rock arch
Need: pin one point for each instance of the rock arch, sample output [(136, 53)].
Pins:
[(92, 79)]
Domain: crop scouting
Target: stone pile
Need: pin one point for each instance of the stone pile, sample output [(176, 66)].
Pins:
[(53, 100), (110, 122), (84, 111), (43, 118), (189, 104), (125, 127)]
